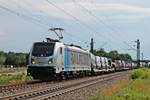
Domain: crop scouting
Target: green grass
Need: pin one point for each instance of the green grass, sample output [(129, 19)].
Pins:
[(142, 73), (12, 70), (7, 70), (14, 79), (137, 88)]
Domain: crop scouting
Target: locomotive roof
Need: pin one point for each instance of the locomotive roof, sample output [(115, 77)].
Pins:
[(77, 48)]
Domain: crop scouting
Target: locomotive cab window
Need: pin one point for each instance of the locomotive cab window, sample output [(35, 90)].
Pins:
[(42, 49)]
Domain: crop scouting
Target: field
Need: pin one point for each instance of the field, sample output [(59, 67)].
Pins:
[(10, 76), (12, 70), (135, 88)]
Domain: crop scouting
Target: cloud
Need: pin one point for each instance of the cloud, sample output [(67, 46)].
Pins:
[(3, 36), (44, 10), (113, 10), (2, 33), (122, 7), (68, 7)]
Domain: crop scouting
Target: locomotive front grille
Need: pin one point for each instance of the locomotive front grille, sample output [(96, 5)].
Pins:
[(41, 71)]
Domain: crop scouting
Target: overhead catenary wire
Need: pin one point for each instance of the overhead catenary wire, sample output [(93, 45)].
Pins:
[(114, 29), (92, 14), (71, 35), (28, 11), (130, 46), (75, 18), (23, 16), (99, 20), (28, 18), (37, 20), (84, 24)]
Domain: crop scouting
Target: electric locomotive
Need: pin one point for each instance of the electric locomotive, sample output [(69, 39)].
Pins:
[(53, 59)]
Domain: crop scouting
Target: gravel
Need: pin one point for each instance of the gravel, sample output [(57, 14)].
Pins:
[(85, 93), (81, 94)]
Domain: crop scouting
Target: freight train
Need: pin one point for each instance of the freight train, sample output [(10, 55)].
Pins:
[(54, 59)]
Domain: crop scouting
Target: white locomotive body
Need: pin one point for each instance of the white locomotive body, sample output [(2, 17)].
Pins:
[(54, 58)]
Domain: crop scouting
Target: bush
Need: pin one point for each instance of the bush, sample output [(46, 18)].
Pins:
[(137, 89), (142, 73), (9, 79)]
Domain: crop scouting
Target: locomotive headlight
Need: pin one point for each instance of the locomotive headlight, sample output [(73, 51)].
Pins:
[(49, 62), (33, 62)]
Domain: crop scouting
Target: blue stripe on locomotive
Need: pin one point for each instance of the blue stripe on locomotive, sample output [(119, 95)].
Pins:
[(67, 58)]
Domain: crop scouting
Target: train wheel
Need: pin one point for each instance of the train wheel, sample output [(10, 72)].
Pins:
[(64, 76)]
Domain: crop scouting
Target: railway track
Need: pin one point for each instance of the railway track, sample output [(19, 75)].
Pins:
[(52, 90)]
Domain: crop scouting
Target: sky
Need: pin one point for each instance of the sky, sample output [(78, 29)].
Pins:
[(114, 24)]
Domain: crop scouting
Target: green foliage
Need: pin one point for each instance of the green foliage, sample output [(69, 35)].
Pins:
[(125, 57), (2, 58), (11, 58), (114, 55), (101, 52), (107, 98), (7, 70), (142, 73), (138, 89), (8, 79)]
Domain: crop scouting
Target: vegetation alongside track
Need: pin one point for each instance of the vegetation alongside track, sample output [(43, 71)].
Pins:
[(12, 58), (14, 79), (12, 70), (136, 88), (114, 55)]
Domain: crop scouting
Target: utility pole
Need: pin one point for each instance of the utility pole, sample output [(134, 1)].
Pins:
[(138, 53), (92, 45), (142, 58)]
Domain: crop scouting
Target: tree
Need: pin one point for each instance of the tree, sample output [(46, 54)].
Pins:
[(17, 59), (114, 55), (2, 58), (101, 52), (125, 57)]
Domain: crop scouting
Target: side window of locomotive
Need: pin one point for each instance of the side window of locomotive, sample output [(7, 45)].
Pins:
[(60, 50), (76, 57), (80, 59), (71, 57)]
